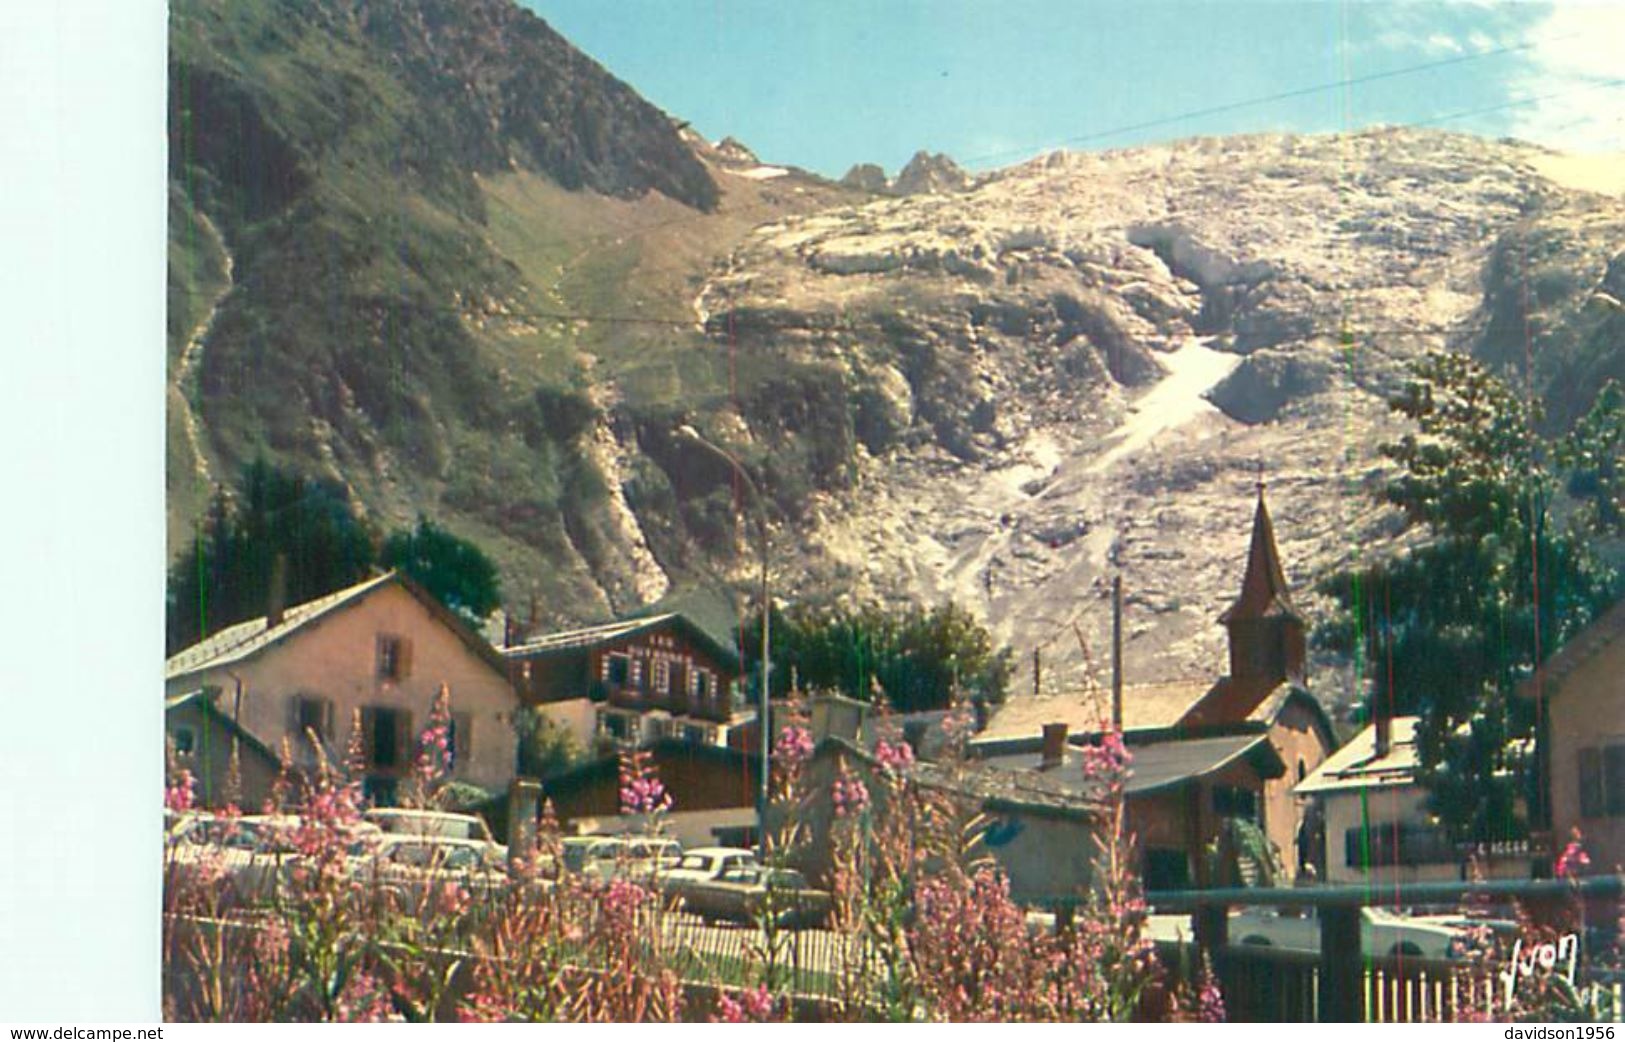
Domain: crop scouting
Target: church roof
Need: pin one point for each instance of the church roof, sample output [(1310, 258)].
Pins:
[(1263, 589)]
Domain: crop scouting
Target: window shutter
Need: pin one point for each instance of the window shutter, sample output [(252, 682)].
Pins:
[(462, 745), (328, 733), (405, 668), (406, 748), (369, 729)]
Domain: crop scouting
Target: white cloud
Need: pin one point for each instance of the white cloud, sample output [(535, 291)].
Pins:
[(1574, 73)]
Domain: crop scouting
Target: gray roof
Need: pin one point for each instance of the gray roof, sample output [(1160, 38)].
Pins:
[(1357, 766), (246, 639), (592, 636), (1153, 766), (238, 642)]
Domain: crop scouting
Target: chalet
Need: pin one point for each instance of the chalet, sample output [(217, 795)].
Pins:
[(1370, 813), (377, 651), (1212, 731), (635, 681), (1581, 690)]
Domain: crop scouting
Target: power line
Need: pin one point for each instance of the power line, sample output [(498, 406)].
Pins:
[(1286, 95)]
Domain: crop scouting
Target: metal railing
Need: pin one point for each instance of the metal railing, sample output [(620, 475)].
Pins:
[(1343, 983)]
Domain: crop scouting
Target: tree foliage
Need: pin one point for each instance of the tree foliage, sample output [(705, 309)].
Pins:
[(545, 748), (454, 570), (224, 577), (1448, 629), (916, 656)]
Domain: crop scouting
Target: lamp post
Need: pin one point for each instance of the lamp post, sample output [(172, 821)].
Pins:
[(688, 433)]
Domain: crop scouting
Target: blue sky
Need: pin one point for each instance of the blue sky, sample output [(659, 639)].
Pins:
[(824, 85)]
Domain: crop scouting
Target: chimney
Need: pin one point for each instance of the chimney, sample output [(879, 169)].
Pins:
[(838, 717), (1054, 746), (1383, 722), (278, 601)]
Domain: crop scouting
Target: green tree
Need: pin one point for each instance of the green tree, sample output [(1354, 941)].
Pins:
[(918, 657), (454, 570), (1447, 629), (224, 577), (545, 748), (1592, 454)]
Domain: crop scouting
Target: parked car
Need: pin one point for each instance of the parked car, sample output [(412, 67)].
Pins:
[(408, 821), (1382, 932), (742, 895), (703, 865), (408, 867), (584, 853), (640, 858)]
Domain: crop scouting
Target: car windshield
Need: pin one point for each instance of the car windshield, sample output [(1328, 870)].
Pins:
[(697, 862)]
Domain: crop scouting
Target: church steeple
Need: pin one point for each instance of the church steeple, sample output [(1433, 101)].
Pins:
[(1266, 631)]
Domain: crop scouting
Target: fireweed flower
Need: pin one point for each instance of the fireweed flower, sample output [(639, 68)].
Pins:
[(793, 747), (1574, 860), (849, 795), (894, 758), (178, 796), (751, 1007), (642, 792)]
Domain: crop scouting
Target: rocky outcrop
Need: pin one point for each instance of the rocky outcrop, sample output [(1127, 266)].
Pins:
[(930, 174), (867, 177)]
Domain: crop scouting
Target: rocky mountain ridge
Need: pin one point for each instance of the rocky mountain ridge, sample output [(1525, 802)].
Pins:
[(1002, 390)]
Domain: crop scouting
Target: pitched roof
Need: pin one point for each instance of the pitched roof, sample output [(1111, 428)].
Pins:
[(204, 699), (1164, 764), (994, 787), (609, 632), (1145, 707), (1263, 589), (1356, 765), (1603, 631), (246, 639)]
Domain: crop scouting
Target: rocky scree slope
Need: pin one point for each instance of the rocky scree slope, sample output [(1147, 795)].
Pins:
[(1084, 364)]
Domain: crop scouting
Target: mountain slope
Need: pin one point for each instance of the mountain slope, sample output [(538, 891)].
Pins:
[(429, 250)]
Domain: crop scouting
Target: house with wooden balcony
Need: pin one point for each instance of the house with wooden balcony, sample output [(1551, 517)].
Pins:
[(633, 681)]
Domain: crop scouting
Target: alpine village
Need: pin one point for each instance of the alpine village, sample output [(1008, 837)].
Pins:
[(618, 578)]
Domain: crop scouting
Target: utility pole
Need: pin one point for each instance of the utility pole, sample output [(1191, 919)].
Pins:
[(763, 722), (1117, 652)]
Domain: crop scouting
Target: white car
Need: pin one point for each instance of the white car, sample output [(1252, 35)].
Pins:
[(1382, 932), (704, 864), (411, 866), (406, 821), (640, 858)]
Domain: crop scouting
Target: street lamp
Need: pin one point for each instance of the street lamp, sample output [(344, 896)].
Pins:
[(688, 433)]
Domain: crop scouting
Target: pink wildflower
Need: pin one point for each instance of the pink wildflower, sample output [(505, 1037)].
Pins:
[(642, 791), (751, 1007), (849, 795), (178, 796), (894, 757), (793, 747), (1574, 860)]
